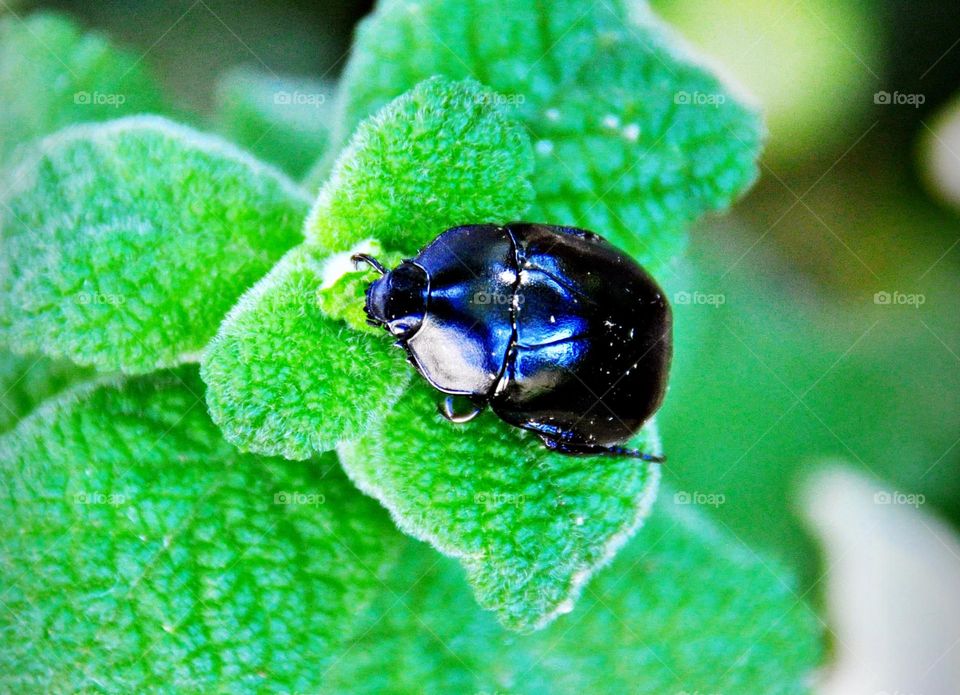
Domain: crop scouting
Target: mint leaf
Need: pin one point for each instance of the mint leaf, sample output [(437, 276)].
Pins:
[(52, 75), (529, 526), (633, 139), (683, 609), (25, 380), (281, 119), (285, 379), (288, 374), (141, 552), (439, 156), (181, 223)]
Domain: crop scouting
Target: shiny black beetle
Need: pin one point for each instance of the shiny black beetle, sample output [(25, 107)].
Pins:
[(552, 327)]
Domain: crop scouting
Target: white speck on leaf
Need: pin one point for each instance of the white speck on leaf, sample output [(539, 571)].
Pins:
[(544, 147)]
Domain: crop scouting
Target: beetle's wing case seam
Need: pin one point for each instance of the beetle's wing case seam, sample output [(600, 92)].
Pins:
[(518, 259)]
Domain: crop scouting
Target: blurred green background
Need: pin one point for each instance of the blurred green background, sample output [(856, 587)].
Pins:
[(784, 357)]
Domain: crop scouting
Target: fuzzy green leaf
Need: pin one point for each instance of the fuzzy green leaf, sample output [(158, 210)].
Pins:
[(633, 139), (182, 223), (283, 120), (141, 552), (439, 156), (288, 374), (683, 609), (52, 75), (25, 380), (529, 526), (285, 379)]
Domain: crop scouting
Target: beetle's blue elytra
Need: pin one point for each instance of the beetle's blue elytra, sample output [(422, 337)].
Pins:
[(553, 328)]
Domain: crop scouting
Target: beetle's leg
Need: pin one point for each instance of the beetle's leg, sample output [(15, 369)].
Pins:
[(574, 449), (445, 408), (370, 261)]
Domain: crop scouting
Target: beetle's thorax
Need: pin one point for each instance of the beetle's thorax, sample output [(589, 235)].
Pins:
[(398, 300)]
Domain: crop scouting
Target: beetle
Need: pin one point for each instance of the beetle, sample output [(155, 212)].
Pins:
[(553, 328)]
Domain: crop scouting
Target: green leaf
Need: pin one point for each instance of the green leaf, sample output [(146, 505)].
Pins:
[(182, 224), (683, 609), (285, 379), (141, 552), (633, 138), (439, 156), (287, 374), (281, 119), (529, 526), (25, 380), (52, 75)]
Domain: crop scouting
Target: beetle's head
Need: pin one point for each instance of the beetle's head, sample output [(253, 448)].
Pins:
[(398, 299)]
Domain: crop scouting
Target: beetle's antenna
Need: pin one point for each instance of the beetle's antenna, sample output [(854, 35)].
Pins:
[(370, 261)]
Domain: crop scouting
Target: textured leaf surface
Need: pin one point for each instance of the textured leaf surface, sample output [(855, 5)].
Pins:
[(182, 223), (281, 119), (683, 609), (633, 139), (529, 526), (25, 380), (53, 75), (439, 156), (140, 551), (285, 379)]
